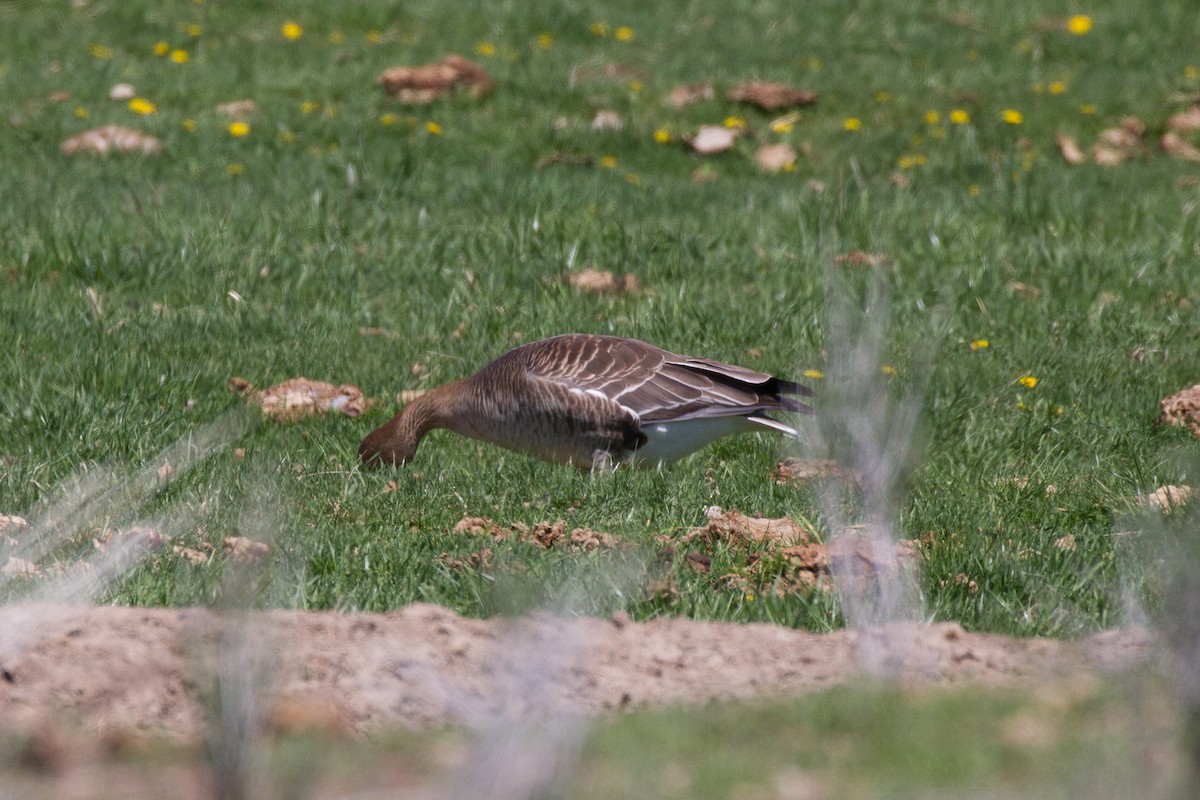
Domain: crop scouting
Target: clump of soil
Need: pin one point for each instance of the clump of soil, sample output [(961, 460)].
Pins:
[(597, 281), (787, 557), (547, 534), (807, 470), (111, 139), (736, 528), (1168, 498), (1182, 408), (427, 82), (300, 397), (770, 96)]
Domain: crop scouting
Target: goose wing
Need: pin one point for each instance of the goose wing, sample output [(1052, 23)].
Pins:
[(655, 384)]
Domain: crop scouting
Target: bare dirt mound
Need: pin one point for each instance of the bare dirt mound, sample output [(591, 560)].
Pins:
[(139, 669)]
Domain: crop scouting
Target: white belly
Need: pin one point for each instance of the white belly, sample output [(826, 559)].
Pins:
[(670, 441)]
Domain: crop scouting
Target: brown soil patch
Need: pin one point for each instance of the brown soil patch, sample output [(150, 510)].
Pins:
[(736, 528), (771, 96), (598, 281), (784, 556), (300, 397), (806, 470), (1182, 408), (138, 669), (547, 534), (111, 139), (427, 82)]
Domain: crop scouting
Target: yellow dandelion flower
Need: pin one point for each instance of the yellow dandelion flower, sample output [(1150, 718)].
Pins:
[(1028, 381), (1058, 411), (980, 344), (1191, 72), (624, 34), (81, 112), (329, 112), (1080, 24), (735, 122), (389, 119), (486, 49), (1087, 109), (239, 129), (852, 124), (599, 28), (1012, 116), (161, 48), (179, 56), (608, 162), (1020, 405), (189, 125), (888, 369), (973, 55), (932, 117), (336, 37), (636, 86), (959, 116), (287, 136), (633, 179), (291, 31), (545, 41), (433, 128), (813, 374), (973, 189), (142, 106), (309, 106), (235, 168), (194, 31), (784, 124), (882, 97), (662, 136), (101, 51), (373, 37), (749, 598), (1025, 46), (910, 160), (1056, 87)]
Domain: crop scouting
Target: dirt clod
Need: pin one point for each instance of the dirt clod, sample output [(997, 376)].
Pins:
[(425, 83), (712, 139), (238, 109), (111, 139), (1182, 408), (687, 94), (770, 96), (736, 528), (775, 157), (299, 397), (602, 281), (804, 470), (243, 550), (1167, 498)]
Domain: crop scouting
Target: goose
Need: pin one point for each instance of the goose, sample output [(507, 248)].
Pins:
[(592, 402)]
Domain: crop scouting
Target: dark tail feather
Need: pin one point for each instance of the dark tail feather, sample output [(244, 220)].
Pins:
[(786, 391)]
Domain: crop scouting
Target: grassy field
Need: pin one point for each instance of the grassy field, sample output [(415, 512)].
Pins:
[(348, 238)]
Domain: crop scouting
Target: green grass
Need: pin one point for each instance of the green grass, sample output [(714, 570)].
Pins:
[(335, 221)]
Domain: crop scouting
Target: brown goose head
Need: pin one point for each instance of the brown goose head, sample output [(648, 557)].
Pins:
[(395, 442)]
